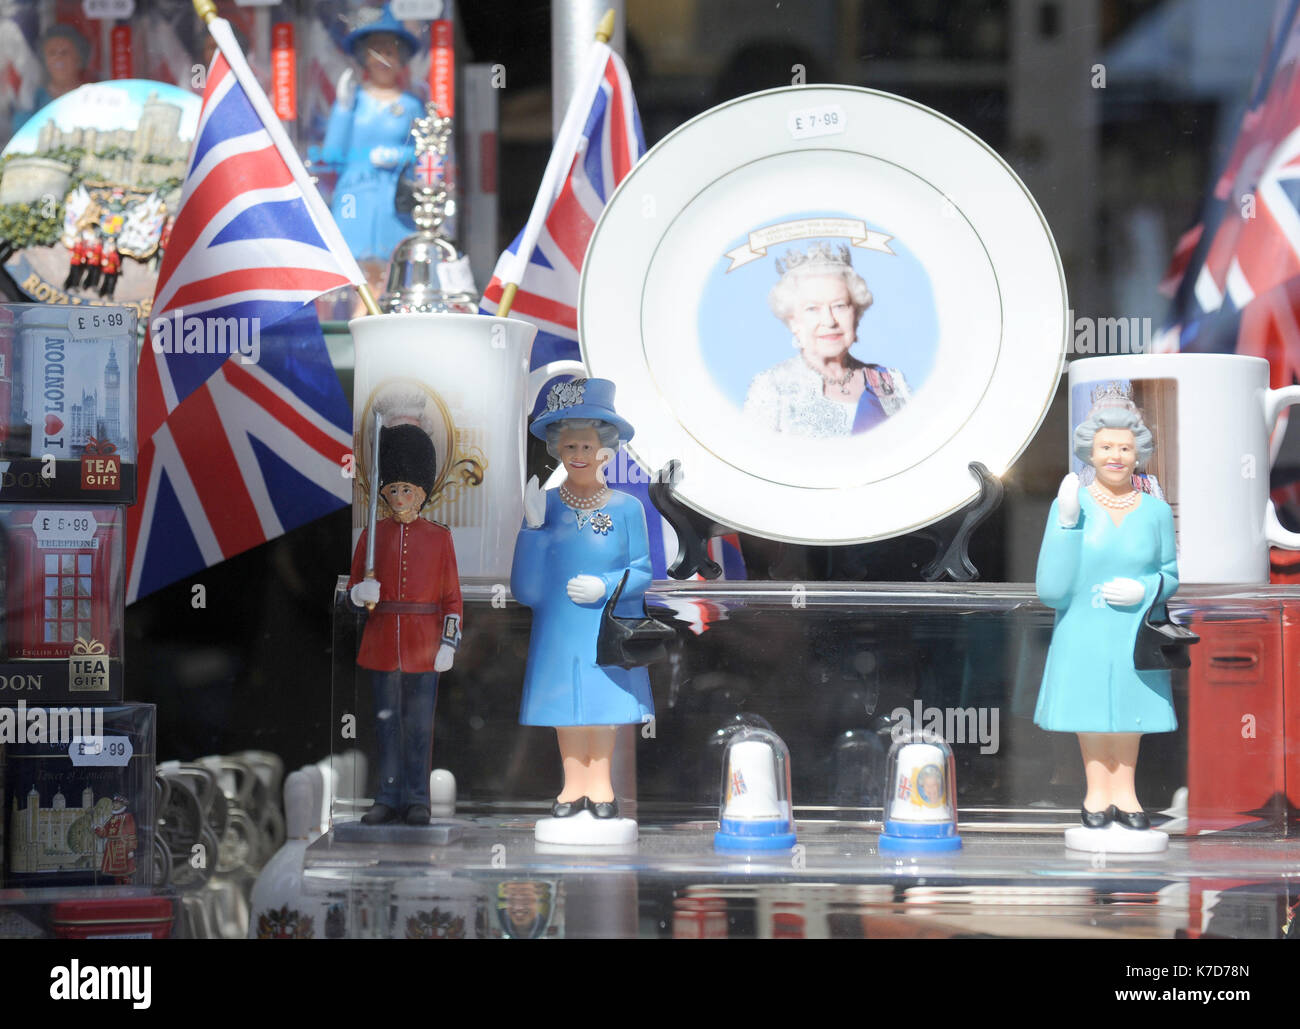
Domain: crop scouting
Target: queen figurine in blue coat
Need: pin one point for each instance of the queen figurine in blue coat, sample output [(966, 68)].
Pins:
[(368, 138), (1107, 558), (577, 543)]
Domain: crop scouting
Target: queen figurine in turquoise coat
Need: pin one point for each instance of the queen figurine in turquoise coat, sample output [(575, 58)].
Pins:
[(1108, 556), (576, 544), (368, 138)]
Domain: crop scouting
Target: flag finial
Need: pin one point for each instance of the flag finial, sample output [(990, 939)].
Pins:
[(604, 31), (205, 9)]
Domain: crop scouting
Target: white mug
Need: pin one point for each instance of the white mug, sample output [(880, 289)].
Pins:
[(1211, 416), (463, 378)]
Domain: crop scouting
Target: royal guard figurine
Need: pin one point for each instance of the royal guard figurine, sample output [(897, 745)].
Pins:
[(94, 254), (118, 834), (414, 626), (111, 265), (77, 260)]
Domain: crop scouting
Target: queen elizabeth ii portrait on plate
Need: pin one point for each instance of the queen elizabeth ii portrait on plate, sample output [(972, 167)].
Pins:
[(823, 390)]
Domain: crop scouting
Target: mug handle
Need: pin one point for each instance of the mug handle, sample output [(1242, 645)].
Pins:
[(1274, 401), (537, 379)]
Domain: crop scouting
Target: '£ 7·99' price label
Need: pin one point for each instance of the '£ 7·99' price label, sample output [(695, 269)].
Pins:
[(100, 9)]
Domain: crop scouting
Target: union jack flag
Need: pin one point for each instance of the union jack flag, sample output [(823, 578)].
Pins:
[(1235, 277), (238, 443), (610, 144), (428, 169)]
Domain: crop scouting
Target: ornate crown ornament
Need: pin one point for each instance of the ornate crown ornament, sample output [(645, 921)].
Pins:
[(433, 200), (819, 255), (428, 273), (566, 394)]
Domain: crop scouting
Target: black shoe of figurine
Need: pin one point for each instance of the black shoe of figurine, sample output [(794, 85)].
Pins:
[(605, 809), (416, 814), (378, 815), (568, 808), (1130, 819), (1096, 819)]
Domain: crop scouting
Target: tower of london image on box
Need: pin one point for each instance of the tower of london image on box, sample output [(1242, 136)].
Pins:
[(54, 838)]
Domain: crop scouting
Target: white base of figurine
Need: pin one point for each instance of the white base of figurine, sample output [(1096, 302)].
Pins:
[(585, 830), (1115, 839)]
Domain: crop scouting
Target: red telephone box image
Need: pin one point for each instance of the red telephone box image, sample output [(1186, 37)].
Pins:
[(63, 583)]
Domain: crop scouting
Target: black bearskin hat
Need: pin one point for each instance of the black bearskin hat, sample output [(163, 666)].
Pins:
[(406, 454)]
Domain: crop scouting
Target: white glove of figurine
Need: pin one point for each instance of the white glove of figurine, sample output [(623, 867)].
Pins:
[(365, 592), (385, 156), (585, 589), (534, 504), (446, 655), (345, 90), (1067, 502), (1123, 592)]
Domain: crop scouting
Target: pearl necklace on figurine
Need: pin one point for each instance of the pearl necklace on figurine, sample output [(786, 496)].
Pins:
[(578, 503), (587, 509), (1107, 499)]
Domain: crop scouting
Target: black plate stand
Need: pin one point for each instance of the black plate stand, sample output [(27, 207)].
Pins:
[(950, 536)]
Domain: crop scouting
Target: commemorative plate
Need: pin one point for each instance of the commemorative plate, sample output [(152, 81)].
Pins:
[(825, 302)]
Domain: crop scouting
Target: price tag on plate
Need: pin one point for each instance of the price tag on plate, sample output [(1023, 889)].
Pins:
[(104, 9), (417, 10), (97, 322), (65, 530), (110, 751), (827, 120)]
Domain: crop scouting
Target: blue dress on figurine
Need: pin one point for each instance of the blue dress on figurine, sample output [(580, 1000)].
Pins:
[(1089, 683), (365, 196), (563, 684)]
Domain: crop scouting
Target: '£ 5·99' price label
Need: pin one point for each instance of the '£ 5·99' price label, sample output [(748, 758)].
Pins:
[(97, 322)]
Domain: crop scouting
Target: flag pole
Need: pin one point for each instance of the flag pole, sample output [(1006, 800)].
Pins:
[(566, 145), (219, 29)]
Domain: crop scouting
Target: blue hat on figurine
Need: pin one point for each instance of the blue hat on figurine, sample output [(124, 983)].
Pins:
[(371, 22), (581, 398)]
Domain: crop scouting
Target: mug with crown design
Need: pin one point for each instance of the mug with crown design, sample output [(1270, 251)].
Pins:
[(1212, 416)]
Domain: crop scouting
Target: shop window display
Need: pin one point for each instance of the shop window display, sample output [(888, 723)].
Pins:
[(816, 464)]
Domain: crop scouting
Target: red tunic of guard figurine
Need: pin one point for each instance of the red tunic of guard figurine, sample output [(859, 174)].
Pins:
[(416, 568)]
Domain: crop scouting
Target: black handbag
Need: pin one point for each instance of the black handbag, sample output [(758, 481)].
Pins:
[(1162, 643), (630, 642)]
